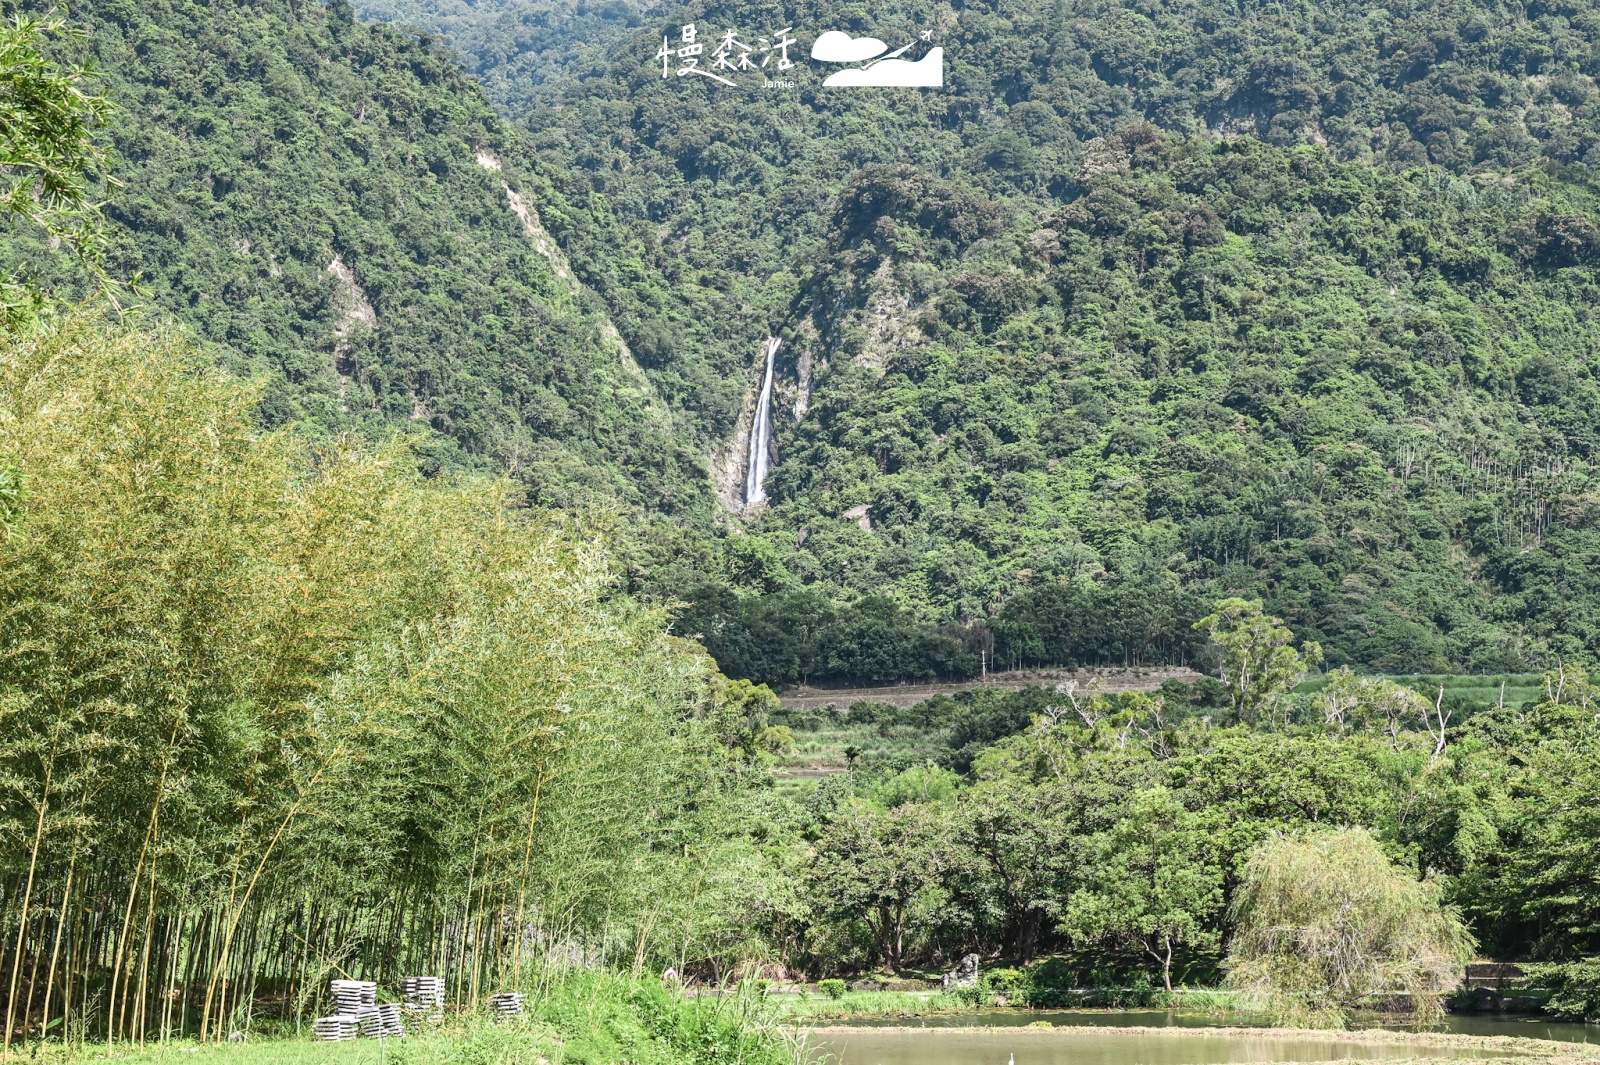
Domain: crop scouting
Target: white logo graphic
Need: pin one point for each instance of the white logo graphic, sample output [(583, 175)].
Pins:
[(836, 47), (890, 71), (723, 58)]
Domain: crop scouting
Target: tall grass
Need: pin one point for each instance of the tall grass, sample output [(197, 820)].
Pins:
[(582, 1019)]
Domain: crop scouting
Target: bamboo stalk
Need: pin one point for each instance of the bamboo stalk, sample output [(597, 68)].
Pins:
[(74, 952), (33, 979), (144, 961), (169, 955), (61, 931), (133, 886), (255, 878), (527, 855), (27, 895)]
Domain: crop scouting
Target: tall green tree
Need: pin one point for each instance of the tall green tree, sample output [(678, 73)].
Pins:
[(1324, 923), (1258, 664), (1530, 884), (1026, 839), (1154, 880), (872, 864)]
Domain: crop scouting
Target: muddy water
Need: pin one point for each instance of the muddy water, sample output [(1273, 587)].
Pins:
[(1066, 1047), (1526, 1027)]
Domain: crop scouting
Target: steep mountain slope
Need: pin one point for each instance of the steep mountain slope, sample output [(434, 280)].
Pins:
[(723, 193), (334, 208), (1048, 392), (1046, 388), (1373, 399)]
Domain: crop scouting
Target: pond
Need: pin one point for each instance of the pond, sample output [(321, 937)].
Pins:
[(1526, 1027), (940, 1040)]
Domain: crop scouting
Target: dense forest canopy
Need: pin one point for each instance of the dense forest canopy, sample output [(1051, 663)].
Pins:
[(1222, 366), (303, 671), (1142, 309), (1145, 306), (1454, 83), (333, 208)]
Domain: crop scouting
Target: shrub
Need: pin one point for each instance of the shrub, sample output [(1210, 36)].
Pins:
[(1051, 982), (833, 988), (1574, 988), (1012, 983)]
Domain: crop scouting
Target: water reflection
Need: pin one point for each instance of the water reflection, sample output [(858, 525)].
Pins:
[(1035, 1046), (1459, 1024), (1054, 1046)]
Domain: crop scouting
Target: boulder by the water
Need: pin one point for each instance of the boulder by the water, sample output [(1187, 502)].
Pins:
[(965, 974)]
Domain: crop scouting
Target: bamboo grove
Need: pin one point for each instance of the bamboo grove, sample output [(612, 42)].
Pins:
[(272, 712)]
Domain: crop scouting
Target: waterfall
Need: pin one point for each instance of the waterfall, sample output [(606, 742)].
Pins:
[(761, 433)]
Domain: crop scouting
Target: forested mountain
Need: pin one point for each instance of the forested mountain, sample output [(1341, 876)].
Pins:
[(1060, 376), (1456, 83), (332, 207), (1220, 366), (1144, 307)]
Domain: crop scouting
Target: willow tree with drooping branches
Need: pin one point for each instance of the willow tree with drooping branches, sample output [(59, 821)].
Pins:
[(1325, 924)]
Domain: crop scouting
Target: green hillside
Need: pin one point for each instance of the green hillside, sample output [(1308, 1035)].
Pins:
[(1370, 398), (724, 195), (328, 206), (1144, 308)]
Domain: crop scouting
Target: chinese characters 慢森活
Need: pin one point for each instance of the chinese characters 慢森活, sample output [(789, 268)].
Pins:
[(731, 53)]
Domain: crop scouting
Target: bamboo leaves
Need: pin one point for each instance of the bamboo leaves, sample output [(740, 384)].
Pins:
[(271, 711)]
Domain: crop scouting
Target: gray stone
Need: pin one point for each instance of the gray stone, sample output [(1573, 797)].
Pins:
[(965, 974)]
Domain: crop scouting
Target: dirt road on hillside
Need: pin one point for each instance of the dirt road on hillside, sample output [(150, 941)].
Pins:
[(805, 697)]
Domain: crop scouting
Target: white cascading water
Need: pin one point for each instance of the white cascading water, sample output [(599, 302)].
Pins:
[(761, 434)]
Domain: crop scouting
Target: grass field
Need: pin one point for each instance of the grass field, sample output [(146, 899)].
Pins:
[(1477, 691), (824, 748)]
